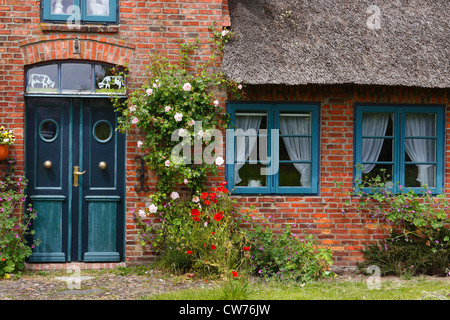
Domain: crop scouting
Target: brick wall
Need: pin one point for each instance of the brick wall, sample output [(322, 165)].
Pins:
[(150, 25), (145, 26)]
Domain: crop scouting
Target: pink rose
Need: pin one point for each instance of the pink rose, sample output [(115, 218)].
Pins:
[(187, 86)]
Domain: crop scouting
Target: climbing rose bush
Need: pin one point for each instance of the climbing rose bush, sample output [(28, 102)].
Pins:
[(202, 232)]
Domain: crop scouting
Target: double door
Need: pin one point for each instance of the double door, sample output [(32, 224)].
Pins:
[(75, 164)]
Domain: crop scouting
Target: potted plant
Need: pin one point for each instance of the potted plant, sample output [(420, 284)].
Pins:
[(6, 139)]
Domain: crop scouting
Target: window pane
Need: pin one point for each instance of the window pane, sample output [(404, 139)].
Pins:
[(249, 175), (295, 123), (377, 124), (384, 171), (48, 130), (62, 6), (294, 175), (295, 149), (76, 77), (97, 7), (103, 131), (250, 136), (419, 175), (420, 150), (377, 150), (108, 79), (43, 79), (420, 125)]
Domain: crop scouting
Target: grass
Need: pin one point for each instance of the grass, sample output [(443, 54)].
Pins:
[(417, 288)]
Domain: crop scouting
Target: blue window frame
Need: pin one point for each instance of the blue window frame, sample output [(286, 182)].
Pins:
[(273, 148), (80, 11), (403, 143)]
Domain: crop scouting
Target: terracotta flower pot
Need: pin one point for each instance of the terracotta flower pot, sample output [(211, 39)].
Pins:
[(3, 151)]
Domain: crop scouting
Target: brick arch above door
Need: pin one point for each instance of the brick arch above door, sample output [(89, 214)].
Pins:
[(82, 47)]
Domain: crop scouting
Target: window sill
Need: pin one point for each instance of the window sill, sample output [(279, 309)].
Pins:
[(84, 28)]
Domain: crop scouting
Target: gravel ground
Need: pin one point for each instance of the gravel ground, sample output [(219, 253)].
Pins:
[(93, 286)]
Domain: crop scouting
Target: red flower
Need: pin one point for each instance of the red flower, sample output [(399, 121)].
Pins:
[(213, 195), (223, 184), (189, 252), (222, 189), (218, 216), (195, 212), (246, 248), (234, 273), (204, 195), (213, 247), (195, 218), (207, 202), (213, 232)]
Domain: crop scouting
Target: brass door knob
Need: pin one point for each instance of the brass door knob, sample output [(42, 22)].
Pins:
[(102, 165), (48, 164)]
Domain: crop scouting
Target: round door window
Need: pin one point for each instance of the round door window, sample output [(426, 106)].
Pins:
[(103, 131), (48, 130)]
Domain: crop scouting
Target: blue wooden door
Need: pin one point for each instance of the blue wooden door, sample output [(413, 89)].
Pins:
[(75, 165)]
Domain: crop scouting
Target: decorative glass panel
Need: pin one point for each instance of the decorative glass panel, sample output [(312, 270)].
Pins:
[(76, 77), (108, 79), (103, 131), (48, 130), (43, 79)]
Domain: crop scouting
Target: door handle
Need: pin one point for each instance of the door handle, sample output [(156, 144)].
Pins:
[(76, 173)]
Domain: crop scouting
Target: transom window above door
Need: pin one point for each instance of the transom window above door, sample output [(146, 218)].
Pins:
[(403, 145), (75, 78), (80, 11)]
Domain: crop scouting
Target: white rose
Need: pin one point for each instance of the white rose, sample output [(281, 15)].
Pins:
[(219, 161), (178, 117), (142, 213), (187, 86), (152, 208)]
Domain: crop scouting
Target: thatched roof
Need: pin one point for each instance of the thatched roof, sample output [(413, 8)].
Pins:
[(329, 42)]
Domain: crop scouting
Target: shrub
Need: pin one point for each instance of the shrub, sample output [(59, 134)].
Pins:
[(201, 233), (400, 256), (417, 223), (14, 227), (283, 256)]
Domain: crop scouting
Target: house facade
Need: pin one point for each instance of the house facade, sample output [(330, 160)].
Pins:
[(365, 85)]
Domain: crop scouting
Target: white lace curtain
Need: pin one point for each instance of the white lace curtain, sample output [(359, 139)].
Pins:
[(419, 150), (244, 145), (299, 149), (374, 124)]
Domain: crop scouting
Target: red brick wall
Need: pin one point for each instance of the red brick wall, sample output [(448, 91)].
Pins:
[(145, 26)]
